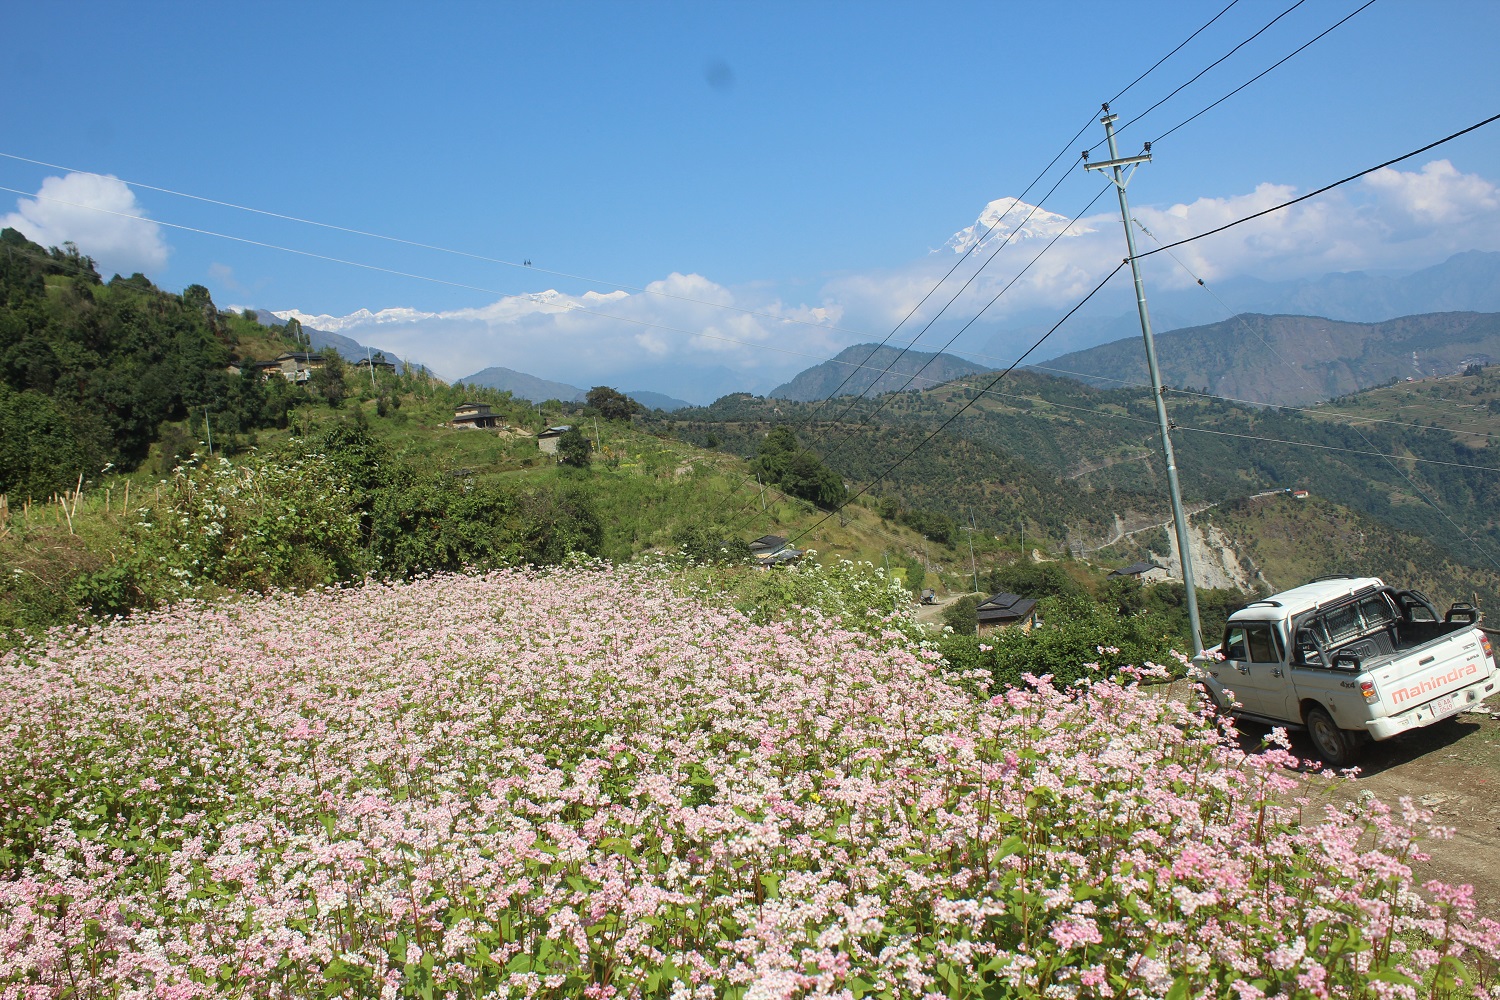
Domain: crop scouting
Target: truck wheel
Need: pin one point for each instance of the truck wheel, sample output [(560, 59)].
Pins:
[(1334, 746)]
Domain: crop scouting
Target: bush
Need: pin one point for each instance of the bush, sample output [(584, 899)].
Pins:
[(574, 449), (960, 615), (1077, 638), (857, 594)]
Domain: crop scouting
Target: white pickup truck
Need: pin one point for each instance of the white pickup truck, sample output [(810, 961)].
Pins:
[(1350, 659)]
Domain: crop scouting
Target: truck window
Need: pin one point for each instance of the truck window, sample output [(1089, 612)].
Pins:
[(1376, 612), (1342, 624), (1307, 649), (1234, 647), (1262, 647)]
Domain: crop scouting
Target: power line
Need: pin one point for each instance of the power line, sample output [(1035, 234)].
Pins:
[(805, 448), (1169, 55), (1326, 188), (981, 240), (1259, 214), (1389, 459), (1264, 28), (981, 312), (1353, 420), (1262, 73), (564, 307), (972, 320), (427, 246), (944, 425), (1329, 447)]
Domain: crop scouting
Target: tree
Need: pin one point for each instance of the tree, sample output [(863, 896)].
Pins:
[(962, 615), (328, 381), (611, 404), (1035, 580), (797, 471), (574, 449)]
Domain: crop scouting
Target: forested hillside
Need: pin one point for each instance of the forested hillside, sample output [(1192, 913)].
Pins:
[(90, 370), (1076, 465)]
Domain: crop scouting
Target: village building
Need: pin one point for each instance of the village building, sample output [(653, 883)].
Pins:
[(294, 366), (1145, 572), (773, 550), (547, 439), (1003, 611), (473, 416)]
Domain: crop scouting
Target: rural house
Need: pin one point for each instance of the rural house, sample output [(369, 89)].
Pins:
[(294, 366), (772, 550), (1002, 611), (473, 416), (547, 439), (1145, 572)]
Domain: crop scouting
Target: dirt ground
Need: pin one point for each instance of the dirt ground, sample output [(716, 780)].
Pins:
[(1453, 769)]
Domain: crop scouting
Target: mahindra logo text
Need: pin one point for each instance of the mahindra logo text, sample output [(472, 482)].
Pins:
[(1431, 684)]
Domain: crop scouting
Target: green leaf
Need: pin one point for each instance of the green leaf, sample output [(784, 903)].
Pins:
[(1391, 976), (1179, 990), (1010, 845)]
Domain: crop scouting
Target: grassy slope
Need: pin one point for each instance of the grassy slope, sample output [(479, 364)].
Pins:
[(646, 489)]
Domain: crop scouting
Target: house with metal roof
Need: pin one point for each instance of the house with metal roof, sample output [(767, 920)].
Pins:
[(1001, 611), (547, 439), (1145, 572)]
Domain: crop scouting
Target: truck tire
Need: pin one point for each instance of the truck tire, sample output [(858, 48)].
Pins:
[(1333, 745)]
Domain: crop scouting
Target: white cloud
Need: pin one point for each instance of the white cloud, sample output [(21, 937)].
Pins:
[(677, 338), (1437, 195), (77, 208)]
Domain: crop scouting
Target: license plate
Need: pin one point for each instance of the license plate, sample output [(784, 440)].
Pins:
[(1442, 706)]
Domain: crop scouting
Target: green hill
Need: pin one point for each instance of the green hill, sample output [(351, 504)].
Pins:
[(1078, 465)]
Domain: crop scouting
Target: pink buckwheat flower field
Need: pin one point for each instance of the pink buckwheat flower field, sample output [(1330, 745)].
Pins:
[(594, 782)]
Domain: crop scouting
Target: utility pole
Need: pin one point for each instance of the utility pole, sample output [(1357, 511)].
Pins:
[(209, 431), (1114, 164), (973, 566)]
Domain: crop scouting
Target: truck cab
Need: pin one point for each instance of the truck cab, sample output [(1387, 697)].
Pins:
[(1350, 659)]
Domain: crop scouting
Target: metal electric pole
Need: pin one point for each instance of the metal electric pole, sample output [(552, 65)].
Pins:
[(1115, 165)]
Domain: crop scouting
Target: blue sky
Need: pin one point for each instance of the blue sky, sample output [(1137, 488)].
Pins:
[(795, 160)]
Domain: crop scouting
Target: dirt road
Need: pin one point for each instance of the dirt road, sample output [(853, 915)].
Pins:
[(1453, 769)]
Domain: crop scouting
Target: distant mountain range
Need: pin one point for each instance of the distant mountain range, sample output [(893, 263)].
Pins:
[(861, 369), (1294, 359), (1465, 282), (539, 390)]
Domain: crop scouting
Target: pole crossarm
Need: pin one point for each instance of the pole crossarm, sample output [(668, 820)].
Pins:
[(1123, 161)]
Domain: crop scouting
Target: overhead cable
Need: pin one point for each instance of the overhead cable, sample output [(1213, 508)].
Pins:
[(1323, 190), (1262, 73), (1264, 28), (993, 382)]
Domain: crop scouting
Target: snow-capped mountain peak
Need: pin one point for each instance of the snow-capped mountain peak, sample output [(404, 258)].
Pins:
[(1005, 216), (360, 317)]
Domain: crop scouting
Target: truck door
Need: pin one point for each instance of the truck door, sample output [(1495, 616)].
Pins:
[(1317, 674), (1252, 655)]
